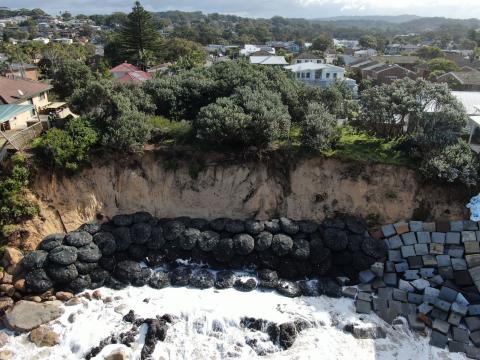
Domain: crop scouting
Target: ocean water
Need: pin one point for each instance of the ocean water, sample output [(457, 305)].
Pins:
[(208, 327)]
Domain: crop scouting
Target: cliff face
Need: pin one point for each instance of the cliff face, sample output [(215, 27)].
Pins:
[(310, 188)]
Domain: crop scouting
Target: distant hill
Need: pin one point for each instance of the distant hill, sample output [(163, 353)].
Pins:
[(398, 19)]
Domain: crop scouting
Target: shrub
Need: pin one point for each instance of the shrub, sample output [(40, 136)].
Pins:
[(67, 149), (71, 75), (455, 164), (319, 128)]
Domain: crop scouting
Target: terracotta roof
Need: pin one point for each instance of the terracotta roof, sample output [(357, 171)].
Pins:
[(125, 67), (134, 76), (15, 91)]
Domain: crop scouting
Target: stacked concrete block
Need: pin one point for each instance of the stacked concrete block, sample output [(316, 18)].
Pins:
[(431, 277)]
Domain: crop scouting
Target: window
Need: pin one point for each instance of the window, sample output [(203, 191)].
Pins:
[(335, 75), (327, 75), (298, 75), (318, 74), (43, 96), (319, 61), (307, 75)]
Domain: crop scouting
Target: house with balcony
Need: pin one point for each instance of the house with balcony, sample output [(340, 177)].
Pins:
[(308, 58), (322, 75)]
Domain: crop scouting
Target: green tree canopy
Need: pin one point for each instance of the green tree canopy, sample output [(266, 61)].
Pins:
[(368, 41), (322, 42)]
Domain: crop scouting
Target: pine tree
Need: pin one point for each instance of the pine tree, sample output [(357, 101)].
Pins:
[(138, 35)]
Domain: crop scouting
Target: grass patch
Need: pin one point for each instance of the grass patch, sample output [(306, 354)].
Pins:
[(361, 147), (170, 132)]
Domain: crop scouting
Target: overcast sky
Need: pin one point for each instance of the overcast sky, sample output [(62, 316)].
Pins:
[(266, 8)]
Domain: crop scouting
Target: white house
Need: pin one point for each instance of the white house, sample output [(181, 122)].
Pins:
[(268, 60), (323, 75), (67, 41), (250, 49), (42, 40), (308, 58), (365, 53)]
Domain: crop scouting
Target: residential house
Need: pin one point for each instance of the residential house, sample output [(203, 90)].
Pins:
[(342, 43), (308, 58), (21, 71), (468, 79), (250, 49), (64, 40), (322, 75), (268, 60), (365, 53), (162, 68), (408, 62), (42, 40), (289, 46), (471, 102), (398, 49), (128, 73), (20, 102), (380, 72)]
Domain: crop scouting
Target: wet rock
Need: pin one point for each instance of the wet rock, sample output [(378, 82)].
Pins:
[(64, 295), (335, 239), (44, 336), (78, 238), (200, 224), (268, 278), (289, 289), (157, 240), (137, 252), (282, 244), (301, 249), (263, 241), (362, 332), (140, 233), (7, 289), (126, 271), (243, 244), (245, 284), (89, 253), (143, 278), (289, 226), (288, 335), (355, 242), (119, 354), (208, 240), (34, 260), (107, 263), (141, 217), (202, 279), (189, 238), (356, 225), (157, 331), (122, 220), (99, 275), (37, 281), (159, 280), (51, 241), (173, 230), (272, 226), (225, 279), (307, 226), (308, 287), (122, 238), (73, 302), (374, 248), (27, 315), (81, 283), (329, 287), (234, 226), (6, 302), (218, 224), (105, 242), (63, 255), (181, 276), (92, 228), (62, 274), (254, 227), (224, 250), (84, 268)]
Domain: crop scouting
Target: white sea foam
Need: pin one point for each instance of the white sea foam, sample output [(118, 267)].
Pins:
[(201, 312)]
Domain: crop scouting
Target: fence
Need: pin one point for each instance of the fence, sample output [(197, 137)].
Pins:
[(20, 140)]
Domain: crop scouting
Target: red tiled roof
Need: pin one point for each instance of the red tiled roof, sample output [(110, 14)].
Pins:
[(125, 67), (15, 90), (134, 76)]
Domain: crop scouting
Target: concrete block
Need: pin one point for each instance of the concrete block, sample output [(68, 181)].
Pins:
[(431, 291), (429, 261), (454, 319), (424, 308), (446, 272), (366, 276), (411, 275), (415, 225), (456, 226), (395, 242), (438, 339), (364, 296), (421, 249), (378, 283), (405, 285), (437, 280), (399, 295), (365, 287), (401, 228), (475, 337), (443, 226), (472, 352), (438, 238), (473, 323), (423, 237), (363, 307), (408, 309), (414, 323), (452, 238), (472, 247), (395, 255), (416, 299), (448, 294), (390, 279), (409, 238), (463, 278), (460, 335), (388, 230), (429, 226), (473, 260), (442, 304), (436, 249), (461, 300), (380, 304), (420, 284), (439, 314), (427, 272), (350, 292), (456, 347), (459, 264), (474, 310), (441, 326), (459, 309), (443, 260), (415, 262), (407, 251), (389, 266), (474, 273), (401, 267), (385, 293), (469, 236), (378, 268), (470, 225), (456, 251)]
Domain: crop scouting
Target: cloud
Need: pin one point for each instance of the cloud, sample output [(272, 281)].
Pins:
[(266, 8)]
